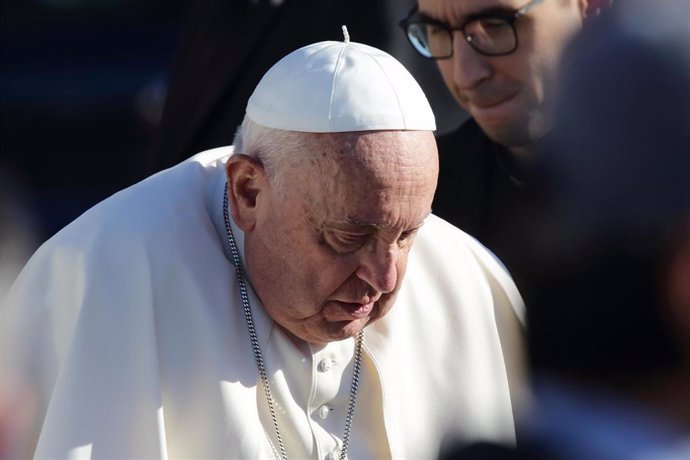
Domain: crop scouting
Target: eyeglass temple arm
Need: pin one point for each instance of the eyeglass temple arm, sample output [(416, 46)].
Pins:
[(527, 7)]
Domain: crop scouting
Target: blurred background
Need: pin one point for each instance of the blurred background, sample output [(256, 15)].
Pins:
[(96, 95), (82, 87)]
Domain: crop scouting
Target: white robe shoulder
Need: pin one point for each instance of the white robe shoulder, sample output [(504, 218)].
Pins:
[(123, 336)]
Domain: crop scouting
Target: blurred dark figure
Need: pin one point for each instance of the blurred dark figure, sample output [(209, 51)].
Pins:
[(609, 291), (608, 257), (226, 47)]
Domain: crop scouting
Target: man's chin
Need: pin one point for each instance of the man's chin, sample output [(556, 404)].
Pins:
[(336, 329), (518, 133), (341, 330)]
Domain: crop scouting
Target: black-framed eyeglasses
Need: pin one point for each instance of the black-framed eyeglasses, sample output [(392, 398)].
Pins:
[(491, 33)]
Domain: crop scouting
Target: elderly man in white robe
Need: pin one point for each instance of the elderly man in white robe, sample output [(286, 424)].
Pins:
[(252, 301)]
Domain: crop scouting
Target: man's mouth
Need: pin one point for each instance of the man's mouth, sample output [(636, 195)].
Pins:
[(348, 311), (492, 110), (358, 310), (487, 102)]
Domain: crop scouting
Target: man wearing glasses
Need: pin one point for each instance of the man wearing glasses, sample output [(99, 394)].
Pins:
[(499, 60)]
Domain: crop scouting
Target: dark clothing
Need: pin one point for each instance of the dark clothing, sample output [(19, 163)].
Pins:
[(226, 47), (481, 190)]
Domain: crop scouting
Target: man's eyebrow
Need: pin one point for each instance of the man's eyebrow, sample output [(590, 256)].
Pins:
[(427, 18), (496, 10), (363, 223)]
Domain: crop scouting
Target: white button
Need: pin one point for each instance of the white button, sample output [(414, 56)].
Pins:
[(325, 365), (332, 455), (323, 412)]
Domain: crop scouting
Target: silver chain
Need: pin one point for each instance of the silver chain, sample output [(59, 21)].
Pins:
[(258, 356)]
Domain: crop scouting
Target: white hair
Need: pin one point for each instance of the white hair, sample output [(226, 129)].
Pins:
[(277, 149)]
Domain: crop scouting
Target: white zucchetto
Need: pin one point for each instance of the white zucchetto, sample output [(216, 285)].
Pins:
[(330, 87)]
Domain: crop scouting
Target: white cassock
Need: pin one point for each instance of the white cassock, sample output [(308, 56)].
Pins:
[(124, 337)]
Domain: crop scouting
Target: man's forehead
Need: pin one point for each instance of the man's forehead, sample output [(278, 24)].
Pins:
[(457, 10), (383, 151), (371, 193)]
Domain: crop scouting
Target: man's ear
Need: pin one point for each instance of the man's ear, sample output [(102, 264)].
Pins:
[(246, 181)]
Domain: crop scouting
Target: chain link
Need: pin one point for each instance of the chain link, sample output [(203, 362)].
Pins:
[(258, 357)]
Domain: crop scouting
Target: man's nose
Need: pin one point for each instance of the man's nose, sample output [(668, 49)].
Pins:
[(469, 67), (379, 267)]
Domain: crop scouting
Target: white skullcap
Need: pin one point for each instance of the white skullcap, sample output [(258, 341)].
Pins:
[(330, 87)]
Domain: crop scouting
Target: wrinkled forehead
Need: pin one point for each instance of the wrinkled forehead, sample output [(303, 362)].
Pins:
[(368, 174), (386, 178), (380, 152)]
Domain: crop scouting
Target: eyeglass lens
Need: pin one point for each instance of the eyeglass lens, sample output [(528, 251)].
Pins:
[(490, 36)]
